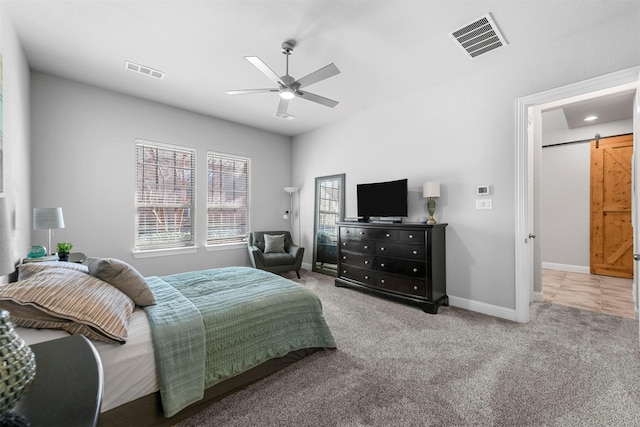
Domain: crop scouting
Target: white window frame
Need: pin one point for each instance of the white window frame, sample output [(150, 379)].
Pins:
[(232, 240), (165, 246)]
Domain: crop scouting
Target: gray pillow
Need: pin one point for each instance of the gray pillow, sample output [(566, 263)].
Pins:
[(273, 243), (124, 277)]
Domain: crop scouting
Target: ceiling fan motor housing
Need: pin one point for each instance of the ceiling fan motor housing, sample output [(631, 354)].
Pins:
[(287, 47)]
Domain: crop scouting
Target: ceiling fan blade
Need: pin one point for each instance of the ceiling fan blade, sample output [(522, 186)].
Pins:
[(282, 107), (317, 98), (319, 75), (264, 69), (250, 91)]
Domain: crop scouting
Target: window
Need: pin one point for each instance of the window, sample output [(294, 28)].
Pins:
[(227, 198), (165, 202)]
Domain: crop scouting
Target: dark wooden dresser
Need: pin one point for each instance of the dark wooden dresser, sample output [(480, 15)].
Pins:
[(403, 261)]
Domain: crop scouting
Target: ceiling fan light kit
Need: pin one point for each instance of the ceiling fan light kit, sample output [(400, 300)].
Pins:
[(288, 87)]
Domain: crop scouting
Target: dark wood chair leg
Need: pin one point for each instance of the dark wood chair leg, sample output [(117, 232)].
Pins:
[(298, 273)]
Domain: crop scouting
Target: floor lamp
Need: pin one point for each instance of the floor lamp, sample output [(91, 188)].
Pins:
[(7, 264), (292, 190), (47, 219)]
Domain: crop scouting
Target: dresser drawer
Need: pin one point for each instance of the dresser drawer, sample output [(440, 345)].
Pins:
[(401, 266), (356, 233), (404, 285), (384, 235), (357, 274), (356, 259), (409, 236), (356, 245), (399, 250)]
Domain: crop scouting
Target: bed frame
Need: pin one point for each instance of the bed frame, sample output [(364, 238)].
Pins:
[(147, 410)]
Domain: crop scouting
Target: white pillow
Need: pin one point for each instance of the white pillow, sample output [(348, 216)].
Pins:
[(273, 243)]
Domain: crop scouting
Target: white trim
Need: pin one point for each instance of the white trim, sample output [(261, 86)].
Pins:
[(164, 252), (226, 246), (567, 267), (482, 307), (538, 297), (584, 89)]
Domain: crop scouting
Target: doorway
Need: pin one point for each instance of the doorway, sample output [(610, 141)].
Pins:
[(571, 179), (528, 137)]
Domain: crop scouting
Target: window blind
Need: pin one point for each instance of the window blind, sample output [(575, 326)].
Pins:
[(165, 201), (227, 198)]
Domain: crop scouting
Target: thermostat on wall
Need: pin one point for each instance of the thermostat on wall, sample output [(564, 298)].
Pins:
[(483, 190)]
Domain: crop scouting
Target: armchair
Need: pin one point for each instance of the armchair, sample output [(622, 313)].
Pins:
[(290, 259)]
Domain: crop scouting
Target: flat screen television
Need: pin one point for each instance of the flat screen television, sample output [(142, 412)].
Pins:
[(382, 199)]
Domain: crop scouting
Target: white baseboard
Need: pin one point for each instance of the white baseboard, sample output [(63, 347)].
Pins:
[(566, 267), (538, 297), (484, 308)]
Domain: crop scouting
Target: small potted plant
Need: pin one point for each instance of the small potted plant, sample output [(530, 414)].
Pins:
[(63, 251)]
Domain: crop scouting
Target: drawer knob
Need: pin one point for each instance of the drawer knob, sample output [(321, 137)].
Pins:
[(344, 271), (366, 261), (388, 235), (382, 248), (415, 252), (366, 246), (415, 288), (344, 257), (366, 277), (382, 281), (362, 233), (415, 270), (382, 265), (411, 236)]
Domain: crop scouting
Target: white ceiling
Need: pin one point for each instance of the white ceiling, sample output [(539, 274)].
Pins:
[(383, 49)]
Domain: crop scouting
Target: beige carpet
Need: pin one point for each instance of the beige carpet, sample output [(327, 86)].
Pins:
[(398, 366)]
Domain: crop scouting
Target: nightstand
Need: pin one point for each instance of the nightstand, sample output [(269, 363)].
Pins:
[(67, 389)]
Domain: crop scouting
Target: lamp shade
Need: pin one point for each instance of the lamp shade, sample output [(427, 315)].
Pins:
[(431, 189), (6, 256), (47, 218), (291, 189)]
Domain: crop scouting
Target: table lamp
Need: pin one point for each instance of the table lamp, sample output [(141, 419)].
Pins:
[(431, 191), (47, 219)]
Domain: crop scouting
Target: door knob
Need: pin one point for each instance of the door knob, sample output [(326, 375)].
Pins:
[(532, 236), (636, 257)]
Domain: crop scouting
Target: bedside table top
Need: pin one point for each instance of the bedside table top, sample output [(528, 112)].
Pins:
[(67, 389)]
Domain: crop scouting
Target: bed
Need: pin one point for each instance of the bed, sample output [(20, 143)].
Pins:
[(169, 345)]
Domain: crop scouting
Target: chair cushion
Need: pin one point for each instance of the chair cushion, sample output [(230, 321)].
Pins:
[(278, 259), (273, 243)]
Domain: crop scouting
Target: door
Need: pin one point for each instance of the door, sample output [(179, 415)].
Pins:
[(611, 228)]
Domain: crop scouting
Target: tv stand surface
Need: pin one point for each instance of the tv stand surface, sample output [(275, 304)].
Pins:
[(401, 261)]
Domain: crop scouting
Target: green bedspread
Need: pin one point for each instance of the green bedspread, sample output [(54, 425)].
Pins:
[(211, 325)]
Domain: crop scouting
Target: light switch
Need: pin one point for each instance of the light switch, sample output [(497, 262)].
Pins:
[(484, 204)]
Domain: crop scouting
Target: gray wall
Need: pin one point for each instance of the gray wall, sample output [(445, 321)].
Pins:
[(84, 161), (16, 146), (564, 233), (461, 133)]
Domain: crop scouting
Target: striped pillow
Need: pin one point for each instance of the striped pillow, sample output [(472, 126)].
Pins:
[(27, 270), (76, 302)]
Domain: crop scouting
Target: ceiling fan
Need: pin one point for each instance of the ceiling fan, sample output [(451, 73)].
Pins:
[(288, 87)]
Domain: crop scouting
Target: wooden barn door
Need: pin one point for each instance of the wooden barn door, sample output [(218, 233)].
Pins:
[(611, 228)]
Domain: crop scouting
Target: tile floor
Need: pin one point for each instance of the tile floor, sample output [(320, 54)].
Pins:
[(604, 294)]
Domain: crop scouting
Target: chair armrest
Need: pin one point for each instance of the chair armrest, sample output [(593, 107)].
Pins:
[(298, 253), (255, 255)]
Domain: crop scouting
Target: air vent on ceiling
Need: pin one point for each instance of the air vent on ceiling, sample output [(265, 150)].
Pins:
[(143, 70), (479, 37)]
